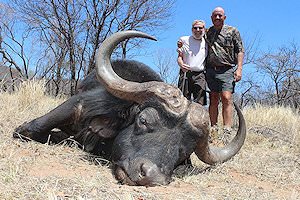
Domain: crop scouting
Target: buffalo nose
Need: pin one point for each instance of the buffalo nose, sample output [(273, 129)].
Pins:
[(149, 169), (151, 175)]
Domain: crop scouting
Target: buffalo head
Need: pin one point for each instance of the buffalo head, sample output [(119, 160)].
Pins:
[(166, 130)]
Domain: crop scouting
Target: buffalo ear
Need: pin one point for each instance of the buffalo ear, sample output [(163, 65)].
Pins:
[(108, 133), (100, 129), (104, 127), (90, 141)]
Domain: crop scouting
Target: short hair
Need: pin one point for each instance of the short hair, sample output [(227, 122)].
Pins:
[(198, 21)]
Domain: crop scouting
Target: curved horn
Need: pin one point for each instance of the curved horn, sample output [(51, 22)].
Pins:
[(213, 155), (105, 73), (168, 95)]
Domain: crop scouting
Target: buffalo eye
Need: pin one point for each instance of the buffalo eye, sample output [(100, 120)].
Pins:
[(147, 120), (143, 120), (142, 124)]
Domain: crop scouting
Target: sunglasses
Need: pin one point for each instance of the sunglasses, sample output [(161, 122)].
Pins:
[(196, 28)]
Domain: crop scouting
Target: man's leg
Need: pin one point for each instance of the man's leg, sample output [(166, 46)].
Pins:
[(183, 84), (201, 99), (226, 98), (199, 95), (213, 107), (198, 87)]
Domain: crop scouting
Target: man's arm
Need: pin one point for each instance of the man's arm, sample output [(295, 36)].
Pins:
[(180, 59), (184, 67), (239, 47), (238, 72)]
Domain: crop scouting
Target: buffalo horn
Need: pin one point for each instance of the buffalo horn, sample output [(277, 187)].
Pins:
[(169, 96), (213, 155)]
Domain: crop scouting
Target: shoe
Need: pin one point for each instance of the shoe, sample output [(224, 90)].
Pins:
[(214, 132), (226, 136)]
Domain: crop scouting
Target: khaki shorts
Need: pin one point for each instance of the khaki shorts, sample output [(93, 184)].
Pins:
[(220, 79)]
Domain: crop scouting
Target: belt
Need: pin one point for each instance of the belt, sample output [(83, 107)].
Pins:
[(219, 68), (202, 71), (196, 72)]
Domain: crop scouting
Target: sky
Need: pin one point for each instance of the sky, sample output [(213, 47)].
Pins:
[(275, 22)]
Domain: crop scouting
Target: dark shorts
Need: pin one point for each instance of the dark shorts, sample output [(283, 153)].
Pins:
[(193, 86), (220, 79)]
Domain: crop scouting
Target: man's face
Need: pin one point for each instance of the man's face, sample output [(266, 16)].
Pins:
[(218, 17), (198, 30)]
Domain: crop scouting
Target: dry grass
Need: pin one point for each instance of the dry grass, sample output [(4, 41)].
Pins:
[(275, 122), (267, 167)]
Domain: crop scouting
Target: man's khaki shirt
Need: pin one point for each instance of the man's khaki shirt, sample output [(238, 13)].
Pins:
[(223, 46)]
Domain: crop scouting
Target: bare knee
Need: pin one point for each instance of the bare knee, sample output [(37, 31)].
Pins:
[(226, 98), (214, 98)]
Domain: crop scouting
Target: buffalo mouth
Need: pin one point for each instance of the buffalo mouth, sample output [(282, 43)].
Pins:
[(122, 176), (141, 173)]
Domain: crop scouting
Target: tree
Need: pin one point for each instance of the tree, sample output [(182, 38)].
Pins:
[(282, 68), (70, 32), (248, 87), (11, 47), (167, 66)]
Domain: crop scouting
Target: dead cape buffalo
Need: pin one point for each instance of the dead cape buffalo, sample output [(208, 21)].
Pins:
[(125, 113)]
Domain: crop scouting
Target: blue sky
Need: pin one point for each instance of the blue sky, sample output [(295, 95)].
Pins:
[(275, 21)]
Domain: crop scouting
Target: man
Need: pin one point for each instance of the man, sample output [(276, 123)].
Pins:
[(192, 51), (224, 66)]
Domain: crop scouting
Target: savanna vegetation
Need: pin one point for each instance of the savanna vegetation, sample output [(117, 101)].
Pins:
[(267, 167)]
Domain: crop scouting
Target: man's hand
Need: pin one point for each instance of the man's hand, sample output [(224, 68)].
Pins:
[(238, 75), (185, 67), (179, 43)]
